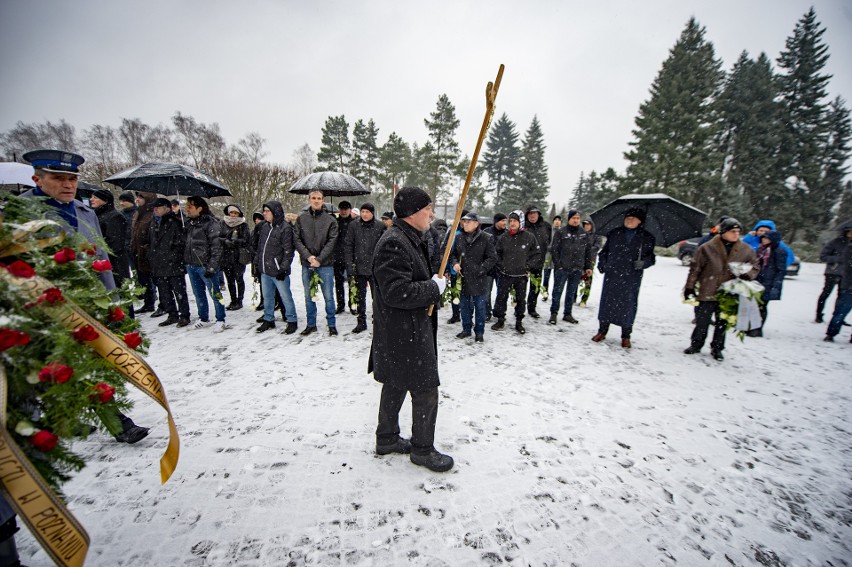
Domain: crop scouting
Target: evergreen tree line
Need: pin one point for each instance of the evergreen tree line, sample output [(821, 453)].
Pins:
[(516, 174), (756, 142), (109, 149)]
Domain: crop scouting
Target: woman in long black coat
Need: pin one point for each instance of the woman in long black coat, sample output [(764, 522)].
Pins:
[(628, 252), (773, 267), (236, 240)]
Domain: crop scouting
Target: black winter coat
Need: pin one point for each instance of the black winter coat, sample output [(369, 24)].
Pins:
[(114, 229), (165, 251), (831, 255), (316, 235), (404, 352), (343, 225), (772, 273), (360, 244), (518, 253), (203, 246), (233, 239), (477, 255), (542, 232), (275, 247), (572, 249), (620, 292)]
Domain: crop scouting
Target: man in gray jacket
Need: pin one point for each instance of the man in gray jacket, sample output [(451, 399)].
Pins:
[(316, 236)]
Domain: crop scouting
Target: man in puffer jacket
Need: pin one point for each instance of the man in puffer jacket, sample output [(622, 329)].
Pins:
[(274, 257), (203, 258), (541, 230), (358, 249), (572, 253), (517, 253), (316, 237)]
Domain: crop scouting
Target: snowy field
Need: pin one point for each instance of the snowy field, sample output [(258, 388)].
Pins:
[(567, 452)]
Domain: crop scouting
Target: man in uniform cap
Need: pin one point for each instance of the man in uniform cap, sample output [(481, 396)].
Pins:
[(55, 175), (404, 353)]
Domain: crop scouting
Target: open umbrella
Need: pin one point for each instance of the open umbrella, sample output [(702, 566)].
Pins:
[(85, 190), (12, 173), (669, 220), (331, 183), (169, 179)]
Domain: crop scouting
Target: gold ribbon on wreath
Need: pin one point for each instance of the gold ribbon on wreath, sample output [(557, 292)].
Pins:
[(112, 349), (58, 531)]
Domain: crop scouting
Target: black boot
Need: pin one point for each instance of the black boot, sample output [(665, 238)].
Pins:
[(433, 460), (519, 327), (552, 320), (265, 326), (692, 350), (498, 326), (172, 319), (717, 354), (360, 327), (291, 328)]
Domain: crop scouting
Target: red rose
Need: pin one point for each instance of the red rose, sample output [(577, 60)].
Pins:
[(104, 392), (55, 372), (85, 333), (89, 249), (65, 255), (10, 338), (44, 441), (101, 265), (116, 315), (51, 296), (133, 339), (20, 269)]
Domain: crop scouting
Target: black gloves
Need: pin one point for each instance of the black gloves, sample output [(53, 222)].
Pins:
[(688, 292), (282, 274), (209, 271)]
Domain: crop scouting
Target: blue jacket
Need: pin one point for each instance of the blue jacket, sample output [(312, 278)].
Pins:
[(754, 241)]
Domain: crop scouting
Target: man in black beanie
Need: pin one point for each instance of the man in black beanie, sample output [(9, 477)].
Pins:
[(114, 227), (404, 353)]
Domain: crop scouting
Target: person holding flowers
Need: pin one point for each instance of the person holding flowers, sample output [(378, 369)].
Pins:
[(315, 239), (709, 269), (472, 257)]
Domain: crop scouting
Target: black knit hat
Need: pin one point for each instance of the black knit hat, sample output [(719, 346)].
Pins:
[(368, 207), (498, 217), (387, 215), (410, 200), (571, 213), (127, 197), (104, 195), (344, 205), (257, 216), (636, 213), (729, 223), (162, 202)]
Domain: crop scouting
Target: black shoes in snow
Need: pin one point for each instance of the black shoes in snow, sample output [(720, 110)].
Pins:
[(552, 320), (717, 354), (479, 339), (463, 335), (308, 330), (332, 331), (170, 320), (265, 326), (401, 446), (158, 313), (291, 328), (692, 350), (132, 434), (453, 319), (433, 461), (235, 305), (360, 328), (498, 326), (570, 319), (534, 314), (519, 327)]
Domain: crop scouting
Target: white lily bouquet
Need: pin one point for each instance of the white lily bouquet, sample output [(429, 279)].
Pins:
[(739, 300)]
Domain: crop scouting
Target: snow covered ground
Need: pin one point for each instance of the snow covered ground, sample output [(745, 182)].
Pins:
[(567, 452)]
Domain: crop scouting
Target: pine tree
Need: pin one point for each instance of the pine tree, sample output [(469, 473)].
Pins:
[(753, 182), (364, 163), (394, 162), (444, 150), (835, 155), (477, 198), (335, 150), (803, 93), (501, 156), (844, 209), (531, 181), (677, 128)]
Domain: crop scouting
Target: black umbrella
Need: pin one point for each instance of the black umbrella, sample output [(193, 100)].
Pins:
[(331, 183), (169, 179), (669, 220), (85, 190)]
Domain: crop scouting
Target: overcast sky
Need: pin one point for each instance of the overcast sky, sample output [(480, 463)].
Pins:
[(281, 68)]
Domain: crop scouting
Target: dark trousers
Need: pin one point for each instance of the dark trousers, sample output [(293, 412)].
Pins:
[(361, 283), (703, 317), (603, 328), (490, 286), (235, 277), (339, 281), (454, 306), (841, 310), (567, 280), (173, 297), (146, 280), (504, 284), (532, 298), (424, 415), (545, 279), (831, 280)]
